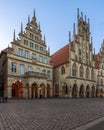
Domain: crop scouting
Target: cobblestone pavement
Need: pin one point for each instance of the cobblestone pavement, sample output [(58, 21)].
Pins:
[(49, 114)]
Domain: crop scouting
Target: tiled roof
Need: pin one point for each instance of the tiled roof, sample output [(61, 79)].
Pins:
[(61, 56)]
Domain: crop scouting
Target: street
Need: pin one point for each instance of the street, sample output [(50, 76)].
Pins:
[(50, 114)]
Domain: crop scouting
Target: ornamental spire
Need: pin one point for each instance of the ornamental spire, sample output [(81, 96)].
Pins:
[(44, 40), (28, 18), (14, 35), (69, 37), (21, 27)]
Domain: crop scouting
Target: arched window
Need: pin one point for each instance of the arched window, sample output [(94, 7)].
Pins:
[(101, 81), (92, 74), (87, 73), (62, 70), (74, 70), (81, 71)]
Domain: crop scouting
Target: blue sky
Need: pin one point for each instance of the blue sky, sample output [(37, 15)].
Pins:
[(56, 19)]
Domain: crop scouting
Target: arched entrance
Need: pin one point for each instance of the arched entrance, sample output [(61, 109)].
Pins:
[(34, 90), (81, 91), (93, 91), (87, 91), (74, 90), (17, 89), (48, 90)]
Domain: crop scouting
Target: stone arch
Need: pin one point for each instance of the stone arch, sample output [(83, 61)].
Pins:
[(81, 91), (93, 91), (17, 89), (87, 91), (34, 90), (74, 90)]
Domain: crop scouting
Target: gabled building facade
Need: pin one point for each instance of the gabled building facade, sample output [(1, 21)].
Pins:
[(99, 65), (74, 65), (25, 67)]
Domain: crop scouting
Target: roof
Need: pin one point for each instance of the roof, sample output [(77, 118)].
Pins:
[(61, 56), (6, 49)]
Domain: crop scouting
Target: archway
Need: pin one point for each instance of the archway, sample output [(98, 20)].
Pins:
[(81, 91), (74, 90), (17, 89), (93, 91), (34, 90), (87, 91)]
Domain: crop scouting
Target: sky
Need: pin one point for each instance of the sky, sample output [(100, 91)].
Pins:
[(56, 19)]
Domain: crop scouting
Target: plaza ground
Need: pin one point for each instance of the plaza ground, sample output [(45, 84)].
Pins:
[(50, 114)]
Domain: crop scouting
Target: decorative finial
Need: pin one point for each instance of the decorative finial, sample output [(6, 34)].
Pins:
[(88, 20), (28, 18), (73, 30), (49, 50), (39, 27), (21, 27), (69, 37), (85, 18), (34, 16), (44, 40), (82, 15), (14, 35), (77, 13)]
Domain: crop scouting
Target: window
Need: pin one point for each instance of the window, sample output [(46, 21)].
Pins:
[(49, 73), (79, 51), (41, 48), (36, 38), (25, 42), (31, 45), (87, 73), (13, 67), (20, 52), (36, 47), (40, 59), (33, 56), (101, 82), (62, 70), (31, 35), (74, 70), (81, 71), (38, 70), (92, 74), (22, 69), (44, 71), (45, 60), (26, 54), (29, 68)]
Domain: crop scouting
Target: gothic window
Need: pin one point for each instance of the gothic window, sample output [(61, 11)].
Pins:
[(62, 70), (74, 70), (101, 82), (92, 74), (87, 73), (81, 71), (79, 51), (13, 67)]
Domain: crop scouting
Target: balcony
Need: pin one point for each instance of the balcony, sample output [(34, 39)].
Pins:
[(35, 74)]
